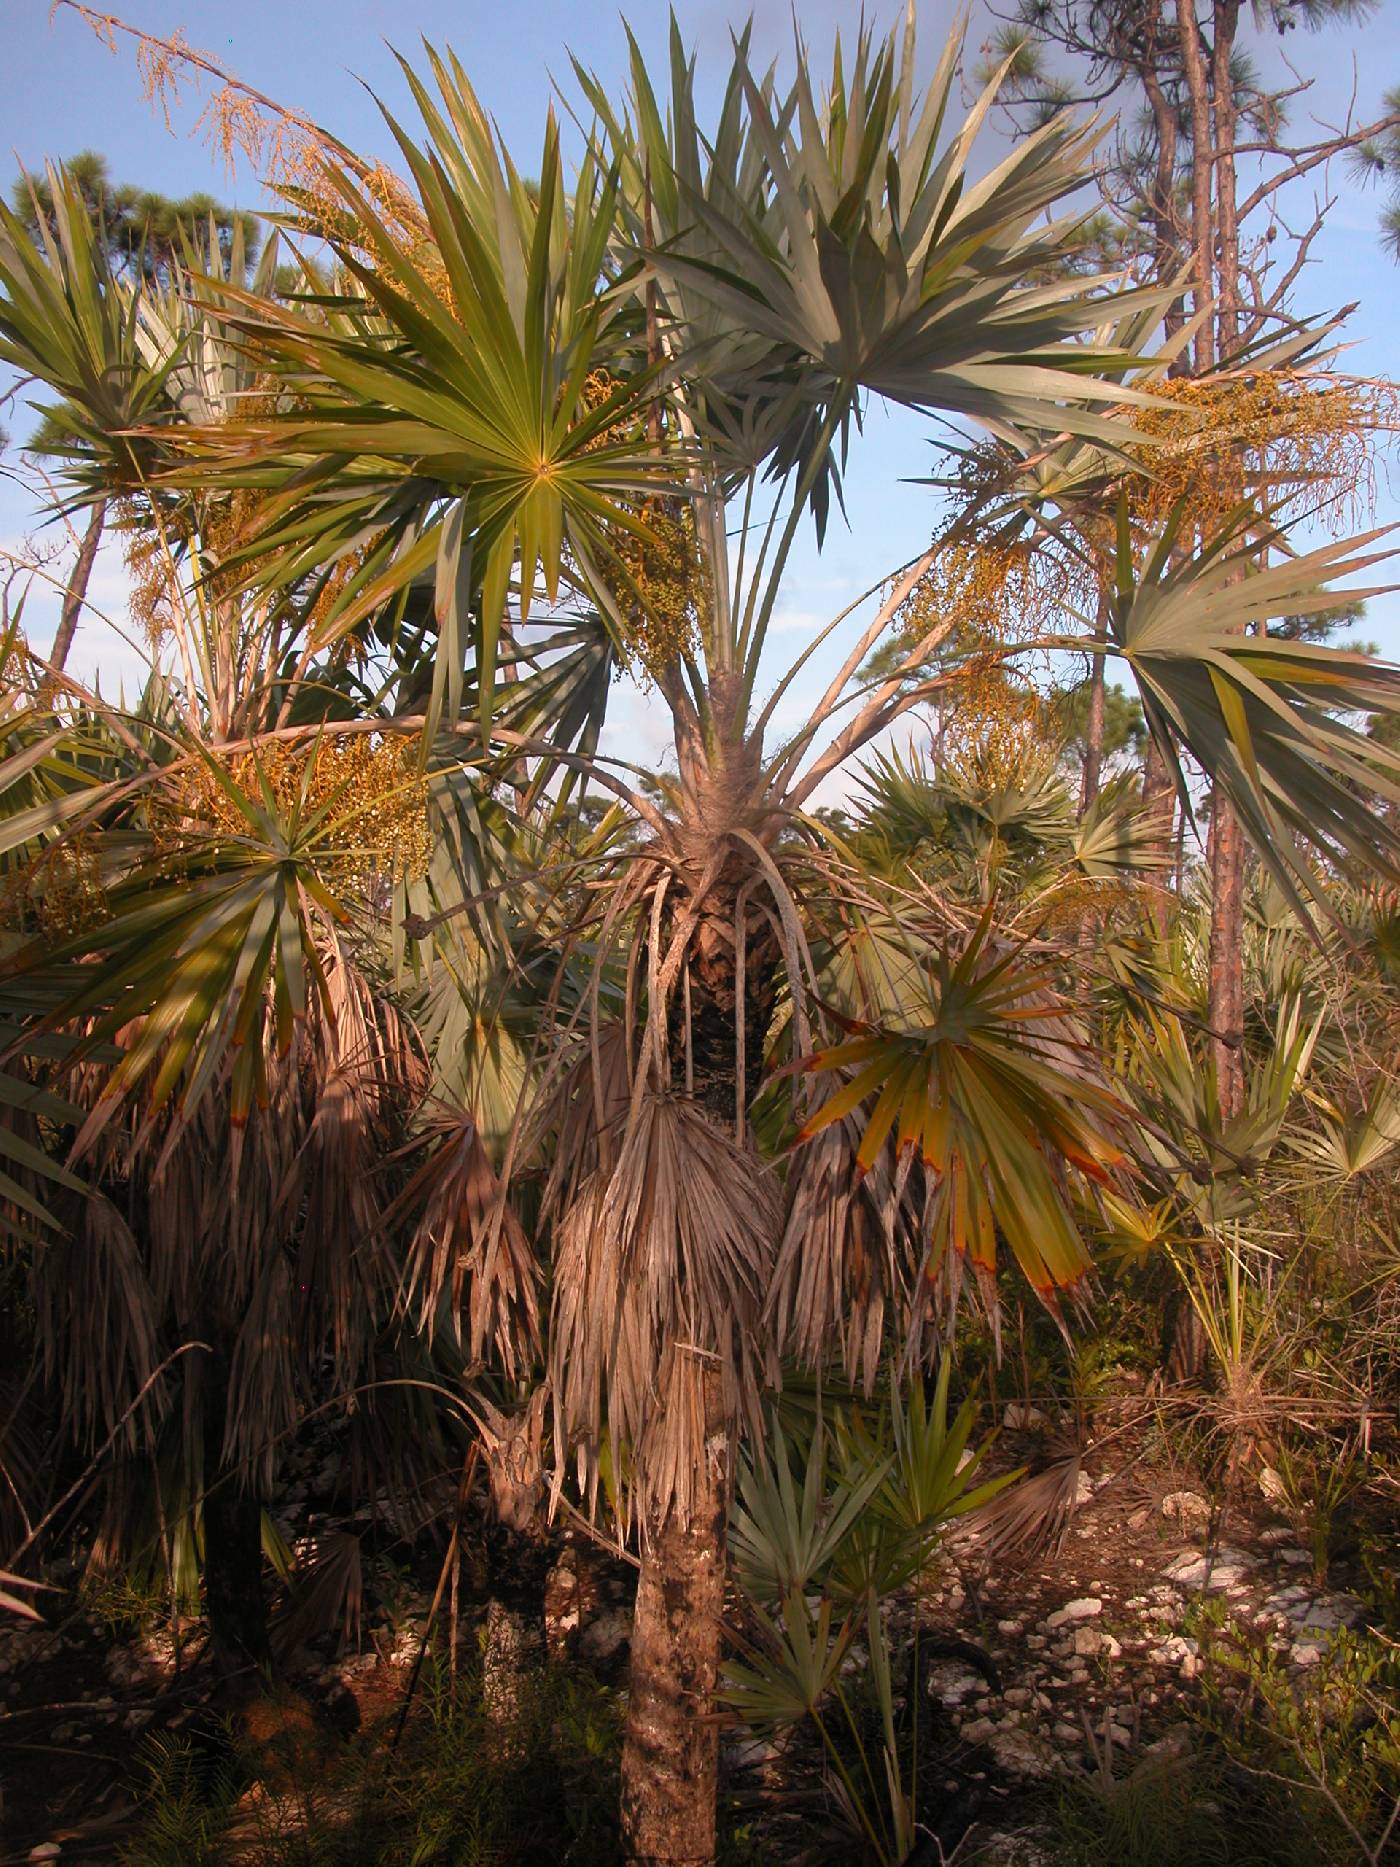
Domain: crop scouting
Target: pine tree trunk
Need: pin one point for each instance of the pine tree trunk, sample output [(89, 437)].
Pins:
[(1226, 1008), (670, 1755), (1226, 1011), (1159, 802)]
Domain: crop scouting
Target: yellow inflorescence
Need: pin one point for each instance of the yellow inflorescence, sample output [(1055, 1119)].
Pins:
[(155, 587), (376, 823), (998, 592), (1269, 437), (306, 166), (996, 725), (660, 586), (658, 582), (62, 887)]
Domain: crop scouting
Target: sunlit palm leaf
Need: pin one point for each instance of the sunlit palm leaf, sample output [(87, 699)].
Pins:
[(990, 1094), (197, 943), (873, 263), (459, 427), (69, 322), (1267, 718)]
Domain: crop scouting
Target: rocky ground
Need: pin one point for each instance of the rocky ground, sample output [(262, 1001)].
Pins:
[(1092, 1643), (1087, 1651)]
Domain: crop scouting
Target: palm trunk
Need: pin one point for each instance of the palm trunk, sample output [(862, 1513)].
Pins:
[(233, 1588), (670, 1754), (1226, 1004), (1093, 736), (670, 1757), (76, 594)]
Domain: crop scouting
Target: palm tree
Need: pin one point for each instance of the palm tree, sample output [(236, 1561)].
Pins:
[(595, 418), (66, 322), (183, 886)]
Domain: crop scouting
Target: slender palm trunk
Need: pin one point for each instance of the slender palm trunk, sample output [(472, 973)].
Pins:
[(670, 1756), (1227, 959), (75, 595), (1091, 778), (234, 1602), (1093, 736), (670, 1759), (1159, 803)]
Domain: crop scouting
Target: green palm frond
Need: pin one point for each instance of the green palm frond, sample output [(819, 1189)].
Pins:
[(987, 1090), (882, 266), (477, 414), (1115, 835), (210, 928), (71, 325), (1344, 1146), (1268, 719)]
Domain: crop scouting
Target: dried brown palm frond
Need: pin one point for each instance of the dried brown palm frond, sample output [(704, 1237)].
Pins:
[(262, 1237), (97, 1320), (467, 1247), (13, 1603), (327, 1594), (660, 1275), (587, 1116), (1029, 1519), (851, 1247), (358, 1070), (266, 1379)]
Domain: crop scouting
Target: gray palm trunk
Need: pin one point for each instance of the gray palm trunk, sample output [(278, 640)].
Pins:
[(75, 596)]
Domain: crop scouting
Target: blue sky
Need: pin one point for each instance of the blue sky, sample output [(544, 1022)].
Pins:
[(66, 92)]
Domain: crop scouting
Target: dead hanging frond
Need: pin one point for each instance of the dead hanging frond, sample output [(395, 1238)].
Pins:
[(266, 1235), (359, 1068), (1274, 438), (93, 1288), (850, 1252), (587, 1115), (264, 1392), (660, 1274), (468, 1254)]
